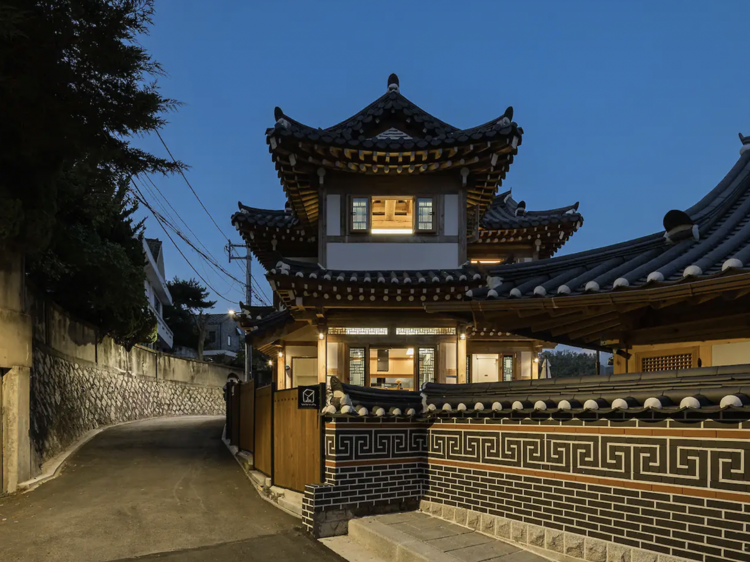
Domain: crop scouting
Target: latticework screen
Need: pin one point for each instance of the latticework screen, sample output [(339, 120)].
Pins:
[(667, 362), (341, 331), (425, 331)]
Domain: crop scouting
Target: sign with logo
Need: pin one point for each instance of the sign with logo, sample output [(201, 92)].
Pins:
[(308, 397)]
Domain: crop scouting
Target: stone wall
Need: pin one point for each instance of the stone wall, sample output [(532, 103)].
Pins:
[(80, 382)]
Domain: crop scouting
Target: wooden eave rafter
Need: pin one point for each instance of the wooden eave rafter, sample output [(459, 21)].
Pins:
[(629, 317), (298, 161)]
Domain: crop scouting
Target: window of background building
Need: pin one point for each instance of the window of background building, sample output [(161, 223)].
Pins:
[(211, 337)]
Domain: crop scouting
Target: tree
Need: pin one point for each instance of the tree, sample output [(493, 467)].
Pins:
[(75, 87), (186, 317), (565, 363)]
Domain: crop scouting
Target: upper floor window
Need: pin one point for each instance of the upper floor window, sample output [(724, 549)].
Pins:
[(360, 212), (392, 215), (211, 336), (425, 214)]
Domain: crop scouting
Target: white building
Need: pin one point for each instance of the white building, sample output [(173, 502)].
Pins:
[(157, 291)]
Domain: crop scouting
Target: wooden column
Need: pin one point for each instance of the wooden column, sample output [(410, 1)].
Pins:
[(322, 357), (280, 372), (461, 357)]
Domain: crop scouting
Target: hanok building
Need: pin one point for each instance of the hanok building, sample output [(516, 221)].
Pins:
[(387, 211), (676, 299)]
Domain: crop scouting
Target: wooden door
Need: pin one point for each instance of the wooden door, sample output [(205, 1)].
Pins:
[(296, 442)]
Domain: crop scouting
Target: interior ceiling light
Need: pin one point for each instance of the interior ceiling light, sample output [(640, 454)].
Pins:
[(393, 231)]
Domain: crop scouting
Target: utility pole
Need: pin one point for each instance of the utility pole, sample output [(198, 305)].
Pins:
[(248, 295)]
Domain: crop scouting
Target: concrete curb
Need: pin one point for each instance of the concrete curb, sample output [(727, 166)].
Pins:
[(286, 500), (393, 545)]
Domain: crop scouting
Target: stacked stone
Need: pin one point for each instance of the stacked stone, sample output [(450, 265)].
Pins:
[(68, 399)]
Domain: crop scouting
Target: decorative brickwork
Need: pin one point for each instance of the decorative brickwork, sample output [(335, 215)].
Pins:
[(591, 490)]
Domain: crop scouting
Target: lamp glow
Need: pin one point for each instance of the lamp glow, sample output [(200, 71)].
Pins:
[(410, 352), (463, 336), (321, 335), (270, 363), (536, 359), (392, 231), (230, 312), (281, 354)]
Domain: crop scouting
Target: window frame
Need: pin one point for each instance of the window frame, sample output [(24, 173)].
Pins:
[(368, 213), (433, 204)]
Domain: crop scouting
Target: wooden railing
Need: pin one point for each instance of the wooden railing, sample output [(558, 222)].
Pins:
[(286, 441)]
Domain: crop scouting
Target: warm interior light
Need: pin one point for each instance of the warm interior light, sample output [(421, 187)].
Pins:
[(485, 261), (463, 336), (321, 335), (270, 363), (392, 231), (536, 359), (410, 352), (281, 354)]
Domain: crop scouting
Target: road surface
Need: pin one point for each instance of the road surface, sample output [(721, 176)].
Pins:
[(164, 489)]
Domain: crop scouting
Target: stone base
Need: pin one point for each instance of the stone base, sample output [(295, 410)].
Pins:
[(335, 521), (551, 543)]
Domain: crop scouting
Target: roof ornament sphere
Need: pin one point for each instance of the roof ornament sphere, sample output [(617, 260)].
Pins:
[(619, 404), (732, 400), (564, 405), (692, 271), (479, 406), (540, 405), (690, 402), (745, 143), (591, 405), (655, 277), (591, 286), (517, 405), (393, 84), (497, 406), (653, 403)]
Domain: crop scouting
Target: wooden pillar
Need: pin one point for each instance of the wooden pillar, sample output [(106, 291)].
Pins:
[(322, 356), (280, 371), (461, 357)]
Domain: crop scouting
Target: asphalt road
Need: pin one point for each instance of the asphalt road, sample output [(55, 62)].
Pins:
[(163, 490)]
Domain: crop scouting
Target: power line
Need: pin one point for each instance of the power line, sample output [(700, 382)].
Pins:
[(142, 199), (158, 134)]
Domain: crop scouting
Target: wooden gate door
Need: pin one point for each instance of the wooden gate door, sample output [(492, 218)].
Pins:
[(2, 441), (263, 445), (297, 443)]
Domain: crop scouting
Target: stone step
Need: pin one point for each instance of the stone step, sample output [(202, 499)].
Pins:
[(414, 536)]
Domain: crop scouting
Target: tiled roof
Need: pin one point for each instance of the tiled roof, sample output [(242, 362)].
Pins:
[(250, 216), (424, 130), (707, 240), (505, 213), (666, 394), (463, 276)]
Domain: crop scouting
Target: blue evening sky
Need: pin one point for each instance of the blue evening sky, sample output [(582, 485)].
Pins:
[(631, 108)]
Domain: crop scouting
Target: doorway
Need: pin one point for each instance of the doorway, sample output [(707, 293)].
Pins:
[(485, 367), (304, 371)]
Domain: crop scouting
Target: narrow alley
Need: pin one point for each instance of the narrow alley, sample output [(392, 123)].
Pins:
[(163, 489)]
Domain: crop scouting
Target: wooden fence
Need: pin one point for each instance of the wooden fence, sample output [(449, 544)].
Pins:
[(296, 443), (286, 441), (246, 422)]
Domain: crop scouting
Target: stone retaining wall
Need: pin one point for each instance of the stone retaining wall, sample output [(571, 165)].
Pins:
[(70, 398)]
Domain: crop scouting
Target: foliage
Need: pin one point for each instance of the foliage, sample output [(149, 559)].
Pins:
[(565, 363), (260, 368), (75, 87), (186, 317)]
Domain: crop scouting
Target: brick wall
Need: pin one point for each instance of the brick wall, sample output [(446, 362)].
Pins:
[(600, 489), (371, 467)]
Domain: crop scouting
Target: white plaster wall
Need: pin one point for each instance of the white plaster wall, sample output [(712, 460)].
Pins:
[(731, 354), (389, 256), (451, 214), (291, 351), (333, 215)]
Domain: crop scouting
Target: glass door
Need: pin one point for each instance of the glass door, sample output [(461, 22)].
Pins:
[(357, 366), (507, 367), (426, 365)]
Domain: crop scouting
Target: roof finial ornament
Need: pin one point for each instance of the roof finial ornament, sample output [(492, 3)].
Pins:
[(678, 225), (745, 144), (520, 209), (393, 85), (506, 119), (281, 121)]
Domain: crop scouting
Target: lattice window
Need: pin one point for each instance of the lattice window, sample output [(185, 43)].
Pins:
[(341, 331), (425, 331), (426, 365), (359, 214), (669, 362), (425, 214), (357, 366)]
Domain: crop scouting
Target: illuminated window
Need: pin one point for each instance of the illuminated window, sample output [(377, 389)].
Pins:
[(359, 214), (425, 214), (341, 331), (357, 366), (392, 215), (425, 331)]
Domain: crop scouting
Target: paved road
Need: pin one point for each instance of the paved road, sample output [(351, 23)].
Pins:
[(163, 490)]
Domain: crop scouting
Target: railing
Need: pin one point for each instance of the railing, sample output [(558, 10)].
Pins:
[(162, 328)]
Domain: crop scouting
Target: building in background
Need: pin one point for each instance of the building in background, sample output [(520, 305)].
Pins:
[(387, 211), (157, 291), (224, 340)]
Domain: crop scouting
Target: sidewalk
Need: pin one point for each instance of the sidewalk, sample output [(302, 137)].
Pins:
[(402, 537)]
